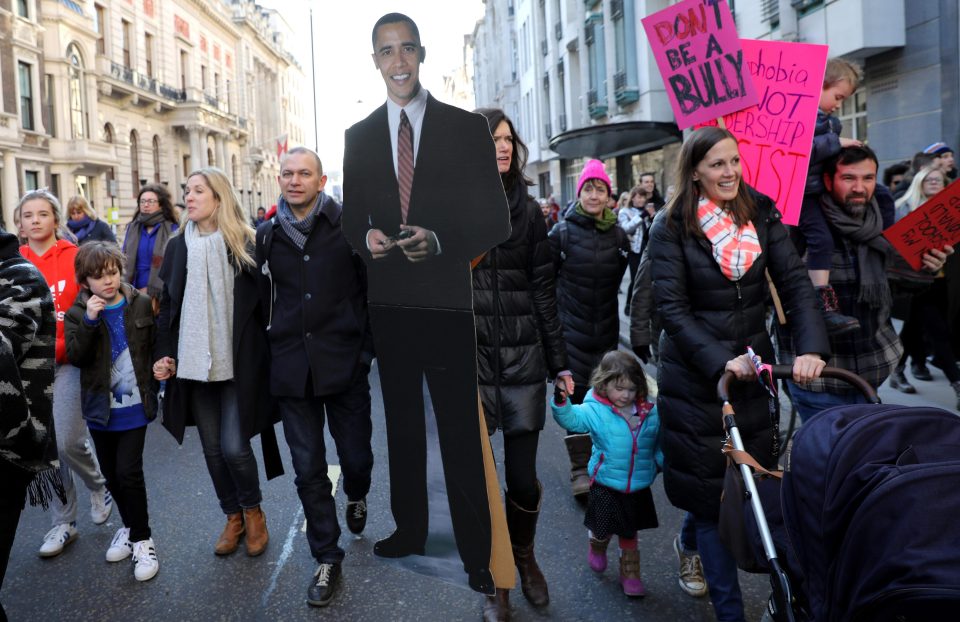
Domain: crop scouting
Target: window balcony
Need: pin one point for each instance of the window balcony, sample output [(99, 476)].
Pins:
[(121, 82), (596, 107), (623, 93)]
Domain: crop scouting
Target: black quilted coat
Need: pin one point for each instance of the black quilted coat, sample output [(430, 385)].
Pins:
[(707, 320), (519, 342), (590, 265)]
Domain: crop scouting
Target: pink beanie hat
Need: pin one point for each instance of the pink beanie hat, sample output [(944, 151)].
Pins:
[(593, 170)]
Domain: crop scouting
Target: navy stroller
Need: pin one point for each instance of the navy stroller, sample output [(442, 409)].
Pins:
[(867, 523)]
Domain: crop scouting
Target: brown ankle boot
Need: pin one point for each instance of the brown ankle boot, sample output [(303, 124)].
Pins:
[(579, 448), (230, 538), (257, 536), (522, 525), (496, 608)]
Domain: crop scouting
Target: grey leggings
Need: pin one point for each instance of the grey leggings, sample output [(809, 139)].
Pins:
[(73, 443)]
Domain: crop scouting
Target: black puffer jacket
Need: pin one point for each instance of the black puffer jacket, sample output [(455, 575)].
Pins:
[(519, 341), (590, 265), (707, 320)]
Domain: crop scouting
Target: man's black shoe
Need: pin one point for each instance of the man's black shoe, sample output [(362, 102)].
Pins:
[(482, 581), (920, 371), (357, 515), (399, 544), (324, 585)]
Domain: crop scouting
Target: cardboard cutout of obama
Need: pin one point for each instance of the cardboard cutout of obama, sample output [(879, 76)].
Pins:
[(422, 197)]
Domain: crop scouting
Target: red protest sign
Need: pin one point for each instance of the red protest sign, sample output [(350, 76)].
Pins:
[(934, 224), (775, 135), (698, 52)]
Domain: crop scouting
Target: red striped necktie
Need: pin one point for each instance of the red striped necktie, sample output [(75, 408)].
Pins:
[(405, 164)]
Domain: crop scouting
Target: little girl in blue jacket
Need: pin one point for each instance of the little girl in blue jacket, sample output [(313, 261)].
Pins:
[(624, 428)]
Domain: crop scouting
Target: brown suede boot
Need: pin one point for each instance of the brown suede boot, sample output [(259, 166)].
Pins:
[(230, 538), (522, 525), (257, 536), (579, 447), (496, 608)]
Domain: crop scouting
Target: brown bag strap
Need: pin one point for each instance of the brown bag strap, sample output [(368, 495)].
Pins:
[(742, 457)]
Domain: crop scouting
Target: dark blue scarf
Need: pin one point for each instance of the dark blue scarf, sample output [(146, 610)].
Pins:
[(81, 228)]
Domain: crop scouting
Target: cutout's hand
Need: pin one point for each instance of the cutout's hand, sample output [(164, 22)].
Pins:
[(379, 244), (742, 367), (420, 246), (934, 259), (807, 367)]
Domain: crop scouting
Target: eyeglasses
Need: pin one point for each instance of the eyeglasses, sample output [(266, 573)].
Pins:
[(147, 202)]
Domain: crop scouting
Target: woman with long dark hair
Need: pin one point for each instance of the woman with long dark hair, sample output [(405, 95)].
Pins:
[(519, 345), (708, 255), (146, 240)]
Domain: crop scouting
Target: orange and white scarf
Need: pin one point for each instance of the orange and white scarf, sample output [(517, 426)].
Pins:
[(735, 248)]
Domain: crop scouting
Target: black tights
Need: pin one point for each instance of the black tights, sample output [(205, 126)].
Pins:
[(520, 468)]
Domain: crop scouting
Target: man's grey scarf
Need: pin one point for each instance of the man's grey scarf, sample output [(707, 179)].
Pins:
[(298, 230), (866, 234), (206, 318)]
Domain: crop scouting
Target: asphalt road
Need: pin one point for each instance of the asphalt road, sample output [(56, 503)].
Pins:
[(194, 584)]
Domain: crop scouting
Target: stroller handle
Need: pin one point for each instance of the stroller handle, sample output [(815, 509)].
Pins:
[(786, 371)]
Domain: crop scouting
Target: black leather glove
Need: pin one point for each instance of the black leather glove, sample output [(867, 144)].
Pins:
[(643, 353)]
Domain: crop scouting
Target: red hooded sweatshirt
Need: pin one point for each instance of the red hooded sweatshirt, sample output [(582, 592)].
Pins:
[(57, 267)]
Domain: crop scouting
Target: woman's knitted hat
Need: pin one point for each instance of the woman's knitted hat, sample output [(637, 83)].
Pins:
[(593, 170)]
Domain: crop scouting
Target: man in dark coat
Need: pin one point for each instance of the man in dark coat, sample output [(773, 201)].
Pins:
[(313, 293), (422, 197)]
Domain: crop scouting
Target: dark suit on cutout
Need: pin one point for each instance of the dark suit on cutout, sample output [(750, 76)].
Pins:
[(422, 313)]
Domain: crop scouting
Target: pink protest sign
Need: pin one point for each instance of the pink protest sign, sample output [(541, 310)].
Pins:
[(775, 136), (698, 53), (934, 224)]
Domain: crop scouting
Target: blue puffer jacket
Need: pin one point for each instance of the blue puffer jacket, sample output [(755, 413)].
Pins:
[(622, 459)]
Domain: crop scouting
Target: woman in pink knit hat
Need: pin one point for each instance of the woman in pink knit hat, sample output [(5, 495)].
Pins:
[(590, 256)]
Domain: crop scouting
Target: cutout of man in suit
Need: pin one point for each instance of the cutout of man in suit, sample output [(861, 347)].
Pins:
[(418, 241)]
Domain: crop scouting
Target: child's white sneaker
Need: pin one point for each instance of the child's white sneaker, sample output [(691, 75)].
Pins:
[(101, 504), (57, 538), (145, 564), (121, 547)]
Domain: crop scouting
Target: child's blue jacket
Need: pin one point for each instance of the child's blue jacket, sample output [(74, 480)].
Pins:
[(622, 459)]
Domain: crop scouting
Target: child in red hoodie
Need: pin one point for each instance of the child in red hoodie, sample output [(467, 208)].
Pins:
[(40, 218)]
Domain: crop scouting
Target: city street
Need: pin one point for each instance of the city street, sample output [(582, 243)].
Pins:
[(194, 584)]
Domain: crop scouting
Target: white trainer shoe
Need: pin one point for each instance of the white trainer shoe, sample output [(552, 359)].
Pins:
[(145, 564), (101, 504), (57, 538), (121, 547)]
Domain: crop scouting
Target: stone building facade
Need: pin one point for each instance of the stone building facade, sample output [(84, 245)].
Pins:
[(103, 96)]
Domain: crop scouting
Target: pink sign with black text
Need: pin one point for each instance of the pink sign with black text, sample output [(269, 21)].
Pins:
[(698, 52), (776, 135)]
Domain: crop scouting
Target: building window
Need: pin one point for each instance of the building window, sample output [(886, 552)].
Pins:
[(235, 170), (148, 52), (78, 103), (203, 78), (210, 161), (125, 42), (597, 66), (853, 115), (26, 97), (135, 162), (55, 185), (100, 26), (50, 110), (108, 133), (31, 180), (184, 62), (23, 9), (156, 159), (625, 80)]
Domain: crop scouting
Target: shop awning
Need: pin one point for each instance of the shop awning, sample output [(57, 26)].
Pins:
[(614, 139)]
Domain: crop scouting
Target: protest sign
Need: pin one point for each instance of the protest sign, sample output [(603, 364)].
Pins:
[(698, 52), (934, 224), (776, 135)]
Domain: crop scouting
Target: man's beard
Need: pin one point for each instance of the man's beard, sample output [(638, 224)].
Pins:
[(855, 209)]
